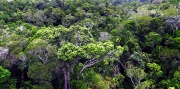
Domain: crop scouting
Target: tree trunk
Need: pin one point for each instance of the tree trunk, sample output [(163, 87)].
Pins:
[(66, 78), (132, 81), (117, 68), (22, 76), (122, 64)]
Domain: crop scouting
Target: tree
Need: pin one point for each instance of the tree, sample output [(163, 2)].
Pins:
[(153, 39), (130, 25), (95, 80), (68, 55), (57, 14), (5, 81), (174, 2), (171, 11), (139, 58), (173, 21), (14, 44), (4, 75), (41, 49), (155, 70), (58, 35), (136, 75), (143, 23), (39, 73), (126, 39), (169, 59), (158, 25), (101, 51), (176, 78), (44, 86), (69, 20)]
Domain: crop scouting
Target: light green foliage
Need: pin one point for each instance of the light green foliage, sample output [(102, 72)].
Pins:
[(119, 51), (96, 50), (155, 70), (51, 33), (5, 81), (103, 50), (70, 52), (171, 11), (164, 6), (39, 73), (75, 34), (4, 75), (171, 87)]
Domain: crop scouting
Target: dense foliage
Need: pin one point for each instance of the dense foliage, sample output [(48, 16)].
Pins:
[(89, 44)]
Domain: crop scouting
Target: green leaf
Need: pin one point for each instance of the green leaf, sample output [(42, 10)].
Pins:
[(4, 74)]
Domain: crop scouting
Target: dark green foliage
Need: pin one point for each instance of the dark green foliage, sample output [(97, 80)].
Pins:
[(153, 39), (157, 25), (174, 2), (130, 25)]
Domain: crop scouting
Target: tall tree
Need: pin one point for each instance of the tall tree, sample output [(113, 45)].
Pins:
[(68, 55)]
